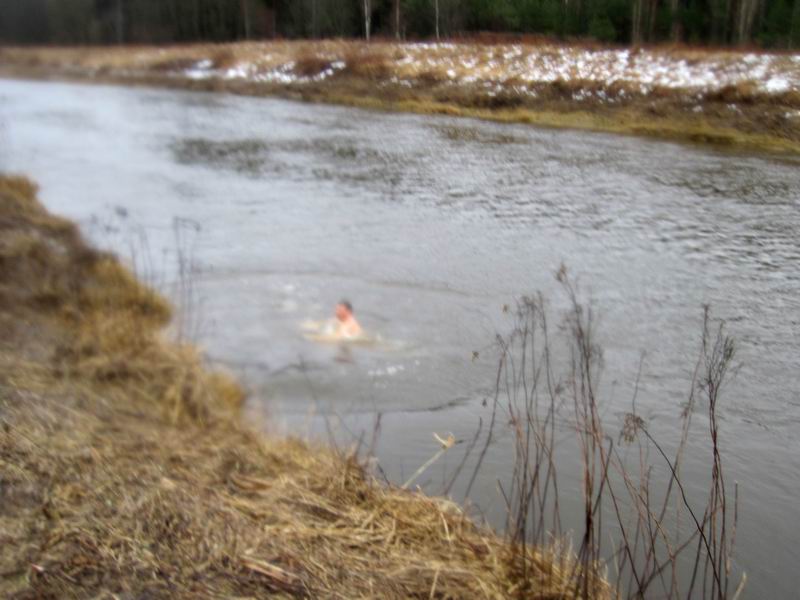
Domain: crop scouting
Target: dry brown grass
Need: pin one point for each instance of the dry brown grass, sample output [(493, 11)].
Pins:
[(124, 474)]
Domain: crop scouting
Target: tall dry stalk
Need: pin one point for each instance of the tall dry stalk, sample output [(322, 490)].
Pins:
[(631, 517)]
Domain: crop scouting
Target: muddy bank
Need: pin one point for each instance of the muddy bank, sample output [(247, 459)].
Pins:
[(727, 98), (124, 471)]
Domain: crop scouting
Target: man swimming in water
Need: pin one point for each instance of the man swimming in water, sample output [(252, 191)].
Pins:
[(347, 328)]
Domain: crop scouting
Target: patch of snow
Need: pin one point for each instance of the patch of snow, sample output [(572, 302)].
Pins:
[(241, 71), (777, 84), (200, 70)]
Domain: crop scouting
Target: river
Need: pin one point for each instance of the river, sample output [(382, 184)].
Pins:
[(430, 225)]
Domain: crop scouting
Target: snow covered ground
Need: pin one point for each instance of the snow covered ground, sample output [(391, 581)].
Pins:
[(606, 72)]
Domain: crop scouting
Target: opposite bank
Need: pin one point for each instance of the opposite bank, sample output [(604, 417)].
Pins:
[(719, 97)]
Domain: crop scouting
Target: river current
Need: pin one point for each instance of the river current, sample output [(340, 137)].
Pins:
[(430, 226)]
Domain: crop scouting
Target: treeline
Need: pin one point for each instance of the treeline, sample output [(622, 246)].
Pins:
[(767, 23)]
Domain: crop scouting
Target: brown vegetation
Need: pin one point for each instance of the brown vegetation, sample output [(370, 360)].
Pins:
[(124, 474), (438, 79)]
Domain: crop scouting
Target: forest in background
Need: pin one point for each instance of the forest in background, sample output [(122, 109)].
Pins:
[(766, 23)]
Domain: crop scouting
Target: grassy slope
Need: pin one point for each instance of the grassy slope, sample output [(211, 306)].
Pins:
[(123, 471), (739, 116)]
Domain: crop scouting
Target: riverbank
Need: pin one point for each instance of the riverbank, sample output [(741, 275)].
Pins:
[(721, 97), (125, 471)]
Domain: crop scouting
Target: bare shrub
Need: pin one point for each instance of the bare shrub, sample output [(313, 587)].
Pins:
[(370, 63), (223, 58), (309, 64), (546, 407)]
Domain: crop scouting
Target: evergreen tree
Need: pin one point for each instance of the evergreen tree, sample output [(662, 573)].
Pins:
[(771, 23)]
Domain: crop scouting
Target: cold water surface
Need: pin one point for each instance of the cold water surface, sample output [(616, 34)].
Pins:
[(429, 225)]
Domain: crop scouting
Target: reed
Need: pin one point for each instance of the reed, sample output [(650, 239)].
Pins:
[(638, 524)]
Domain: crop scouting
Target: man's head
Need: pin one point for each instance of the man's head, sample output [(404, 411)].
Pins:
[(344, 310)]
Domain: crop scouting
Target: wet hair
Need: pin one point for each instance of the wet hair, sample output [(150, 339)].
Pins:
[(346, 304)]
